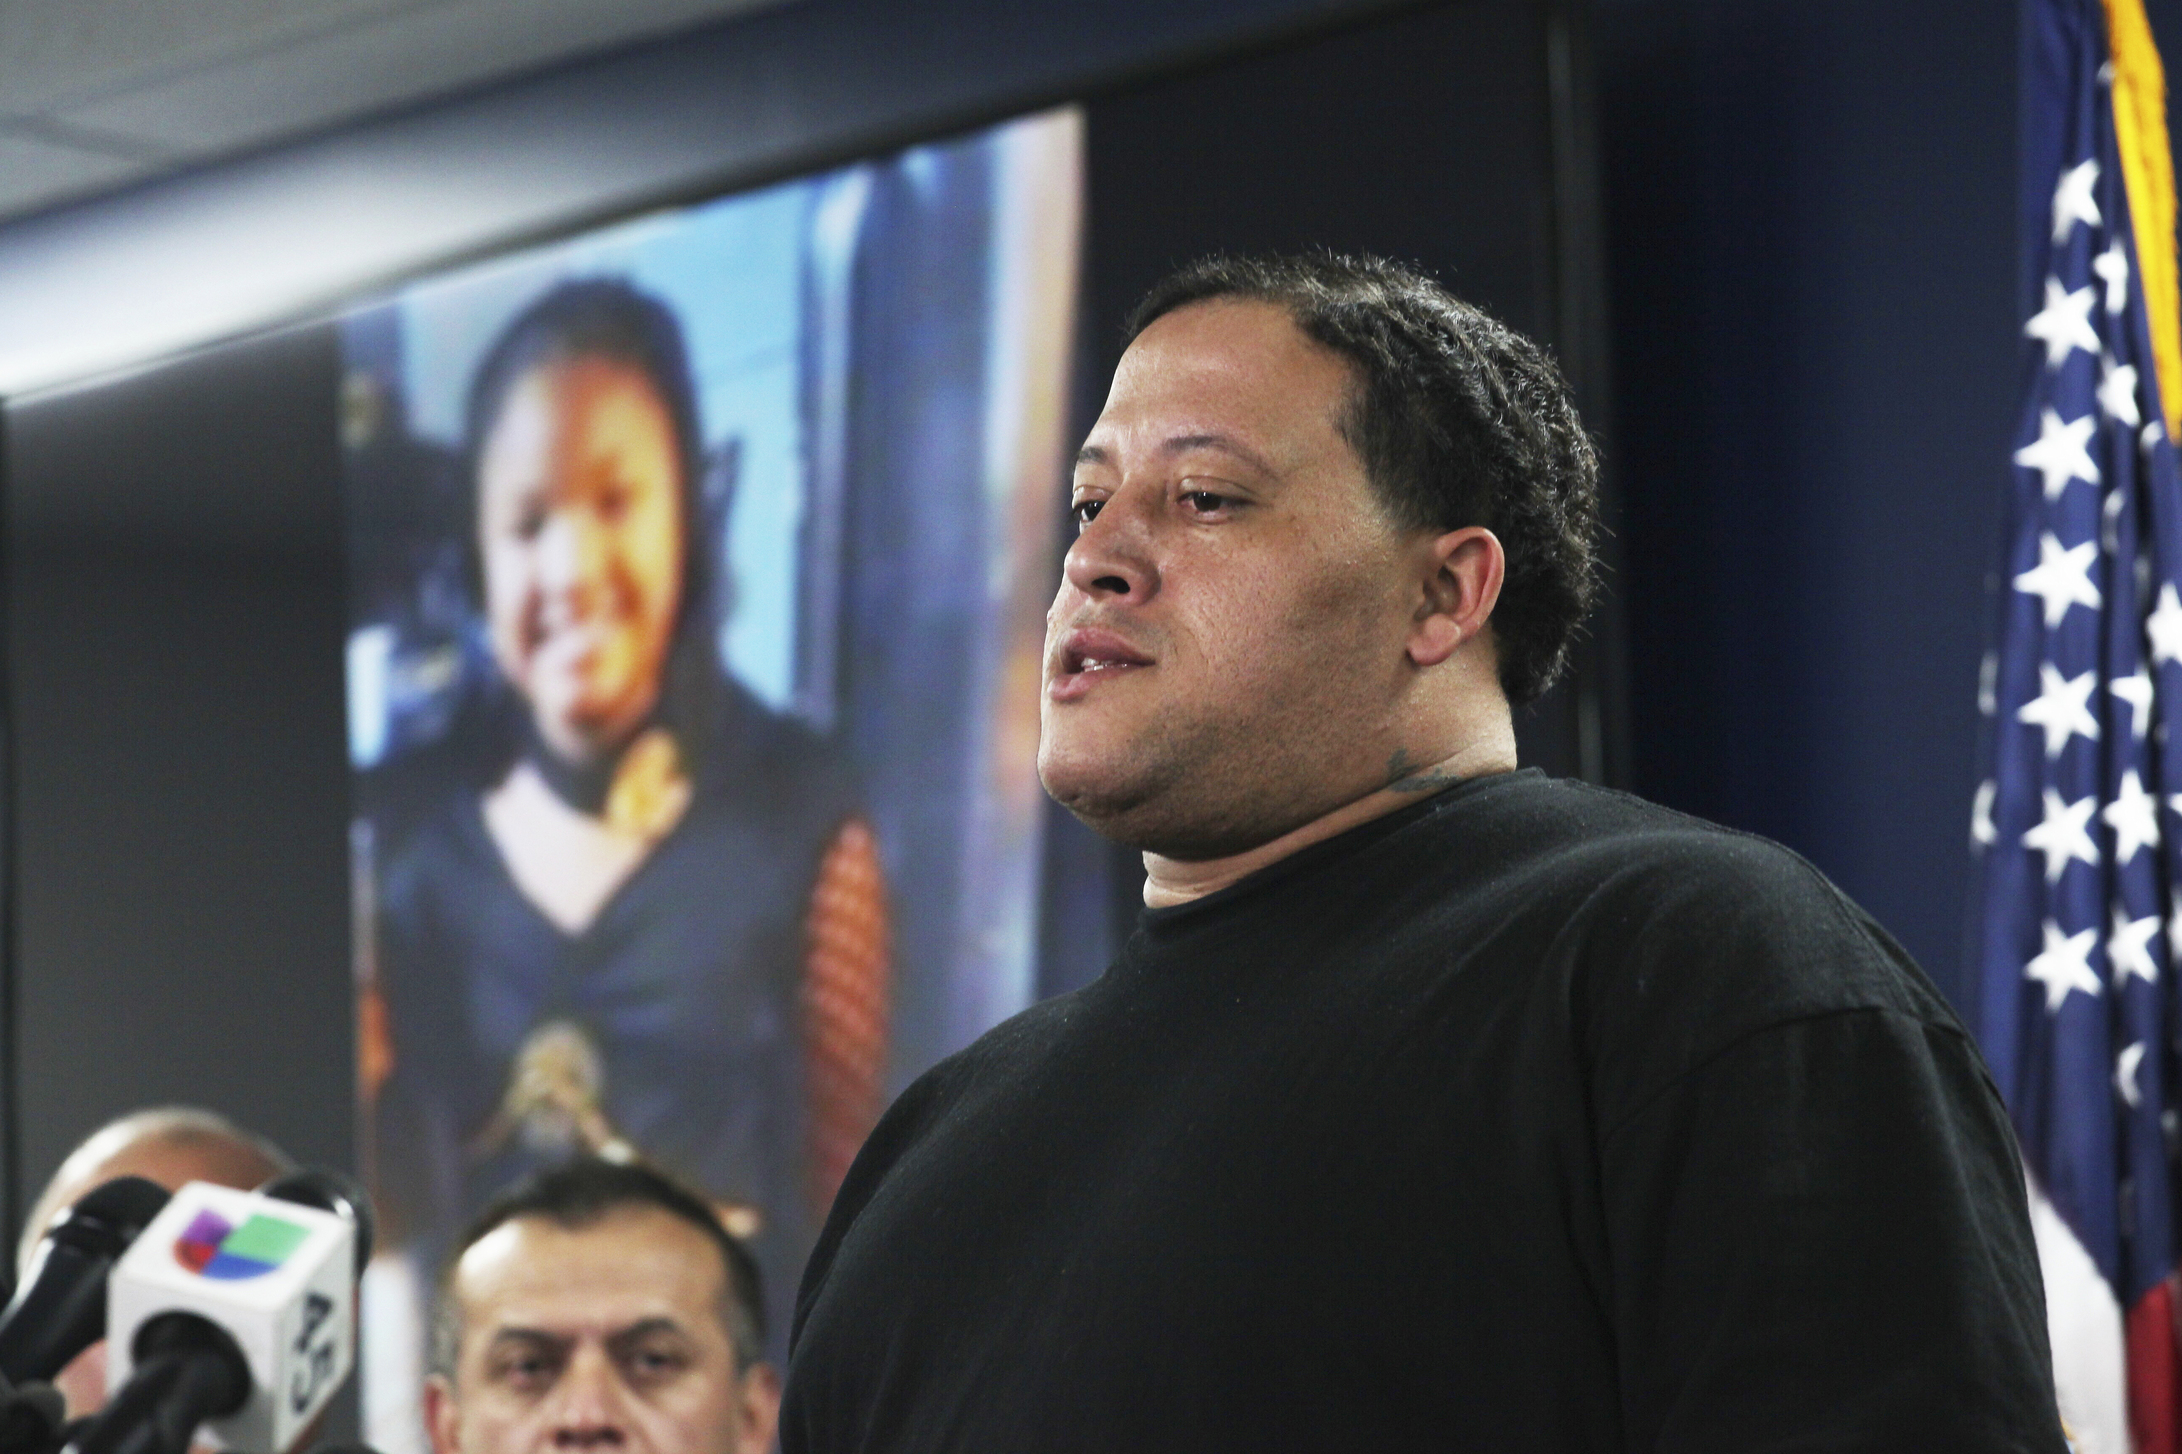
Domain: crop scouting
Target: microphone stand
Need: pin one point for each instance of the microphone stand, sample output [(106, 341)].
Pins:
[(31, 1418), (187, 1370)]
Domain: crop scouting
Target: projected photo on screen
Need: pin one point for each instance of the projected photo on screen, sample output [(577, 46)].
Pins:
[(697, 574)]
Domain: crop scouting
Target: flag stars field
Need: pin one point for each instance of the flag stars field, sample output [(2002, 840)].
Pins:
[(2129, 948), (2163, 628), (2134, 817), (2059, 454), (2064, 324), (2112, 267), (2060, 709), (2135, 691), (2073, 858), (2064, 835), (2073, 201), (2065, 965), (2062, 578), (2118, 391), (2125, 1074)]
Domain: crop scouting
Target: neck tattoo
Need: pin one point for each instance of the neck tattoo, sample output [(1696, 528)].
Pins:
[(1406, 776)]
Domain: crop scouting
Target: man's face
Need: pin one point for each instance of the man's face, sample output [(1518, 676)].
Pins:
[(1227, 646), (606, 1337), (580, 534)]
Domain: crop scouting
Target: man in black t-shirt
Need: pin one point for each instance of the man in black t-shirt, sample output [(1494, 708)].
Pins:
[(1434, 1104)]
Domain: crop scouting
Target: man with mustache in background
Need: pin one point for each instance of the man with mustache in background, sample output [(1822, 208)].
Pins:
[(1434, 1104)]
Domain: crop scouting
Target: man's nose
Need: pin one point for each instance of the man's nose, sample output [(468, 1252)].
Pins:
[(590, 1412), (1113, 558)]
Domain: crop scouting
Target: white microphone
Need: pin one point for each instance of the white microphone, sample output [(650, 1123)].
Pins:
[(238, 1309)]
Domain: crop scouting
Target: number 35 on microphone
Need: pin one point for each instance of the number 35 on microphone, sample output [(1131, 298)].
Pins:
[(278, 1276)]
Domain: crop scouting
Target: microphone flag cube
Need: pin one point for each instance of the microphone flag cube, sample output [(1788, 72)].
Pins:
[(278, 1276)]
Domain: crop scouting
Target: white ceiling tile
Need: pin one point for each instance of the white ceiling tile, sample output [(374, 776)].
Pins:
[(339, 74), (54, 52)]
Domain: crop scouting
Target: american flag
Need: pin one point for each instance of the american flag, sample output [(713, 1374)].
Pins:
[(2078, 822)]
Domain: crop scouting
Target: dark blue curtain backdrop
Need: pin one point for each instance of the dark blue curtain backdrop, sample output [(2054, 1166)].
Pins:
[(1812, 262)]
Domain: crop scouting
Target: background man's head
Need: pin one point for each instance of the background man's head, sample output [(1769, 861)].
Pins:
[(1315, 481), (169, 1145), (600, 1306)]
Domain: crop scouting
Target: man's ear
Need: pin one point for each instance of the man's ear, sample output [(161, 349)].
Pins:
[(441, 1418), (760, 1408), (1461, 575)]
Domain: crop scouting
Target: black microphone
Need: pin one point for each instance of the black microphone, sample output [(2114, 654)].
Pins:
[(60, 1309), (329, 1191), (31, 1418), (187, 1370)]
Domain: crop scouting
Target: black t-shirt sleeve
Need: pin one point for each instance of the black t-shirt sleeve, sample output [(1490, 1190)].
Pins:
[(1819, 1242)]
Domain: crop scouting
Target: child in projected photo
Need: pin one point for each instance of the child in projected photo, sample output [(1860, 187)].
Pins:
[(650, 920)]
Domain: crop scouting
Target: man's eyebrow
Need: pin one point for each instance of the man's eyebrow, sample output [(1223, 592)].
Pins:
[(529, 1335), (644, 1328), (1183, 444), (1225, 444)]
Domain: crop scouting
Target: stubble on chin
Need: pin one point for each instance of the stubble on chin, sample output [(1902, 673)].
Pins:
[(1105, 786), (1117, 782), (1182, 790)]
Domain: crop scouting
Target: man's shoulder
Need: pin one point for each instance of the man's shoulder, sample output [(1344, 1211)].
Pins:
[(1654, 919), (1528, 818), (1614, 857), (1675, 937)]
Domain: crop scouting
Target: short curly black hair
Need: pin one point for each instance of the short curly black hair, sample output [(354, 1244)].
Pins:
[(1459, 420)]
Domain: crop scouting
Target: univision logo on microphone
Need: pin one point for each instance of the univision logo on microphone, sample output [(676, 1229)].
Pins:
[(278, 1277), (211, 1246)]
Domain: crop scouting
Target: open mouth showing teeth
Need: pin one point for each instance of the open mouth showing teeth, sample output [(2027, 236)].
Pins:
[(1080, 664), (1094, 653)]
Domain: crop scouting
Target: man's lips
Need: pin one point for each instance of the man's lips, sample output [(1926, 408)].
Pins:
[(1089, 654)]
